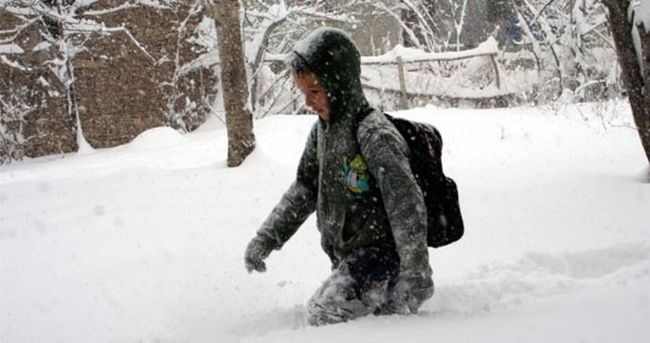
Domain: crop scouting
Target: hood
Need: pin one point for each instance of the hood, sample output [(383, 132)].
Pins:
[(335, 60)]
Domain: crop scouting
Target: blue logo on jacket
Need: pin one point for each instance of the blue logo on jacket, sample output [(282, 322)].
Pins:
[(355, 174)]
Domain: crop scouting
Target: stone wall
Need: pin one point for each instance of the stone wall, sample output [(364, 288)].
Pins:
[(123, 84), (124, 90)]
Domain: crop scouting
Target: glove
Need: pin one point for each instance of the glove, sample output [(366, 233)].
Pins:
[(256, 252), (411, 292)]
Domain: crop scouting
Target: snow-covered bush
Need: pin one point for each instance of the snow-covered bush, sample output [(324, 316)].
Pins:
[(572, 48)]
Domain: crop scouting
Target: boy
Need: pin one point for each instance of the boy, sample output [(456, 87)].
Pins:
[(355, 173)]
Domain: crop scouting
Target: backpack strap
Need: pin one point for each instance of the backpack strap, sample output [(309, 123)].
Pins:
[(362, 114)]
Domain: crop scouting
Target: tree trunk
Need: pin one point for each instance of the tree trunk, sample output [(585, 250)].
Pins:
[(635, 84), (239, 120), (643, 121)]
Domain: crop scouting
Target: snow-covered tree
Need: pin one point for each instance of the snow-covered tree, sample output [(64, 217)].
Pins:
[(569, 43), (272, 27), (630, 22), (442, 25), (239, 119)]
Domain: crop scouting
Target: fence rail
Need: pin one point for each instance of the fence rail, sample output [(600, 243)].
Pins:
[(401, 57)]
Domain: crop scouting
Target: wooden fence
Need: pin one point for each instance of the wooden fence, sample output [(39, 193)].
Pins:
[(402, 58)]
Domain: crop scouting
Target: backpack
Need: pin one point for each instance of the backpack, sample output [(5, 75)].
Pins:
[(444, 220)]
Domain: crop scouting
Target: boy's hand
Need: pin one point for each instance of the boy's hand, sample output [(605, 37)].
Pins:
[(256, 252), (411, 292)]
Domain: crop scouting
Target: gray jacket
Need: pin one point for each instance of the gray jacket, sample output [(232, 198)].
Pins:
[(354, 171)]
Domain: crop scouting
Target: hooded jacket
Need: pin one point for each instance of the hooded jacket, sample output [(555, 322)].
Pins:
[(354, 171)]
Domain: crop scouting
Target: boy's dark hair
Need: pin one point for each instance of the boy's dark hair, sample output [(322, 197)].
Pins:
[(297, 64)]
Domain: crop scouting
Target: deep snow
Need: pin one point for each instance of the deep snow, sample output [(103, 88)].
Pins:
[(144, 242)]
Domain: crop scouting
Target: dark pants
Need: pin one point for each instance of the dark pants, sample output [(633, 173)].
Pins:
[(361, 284)]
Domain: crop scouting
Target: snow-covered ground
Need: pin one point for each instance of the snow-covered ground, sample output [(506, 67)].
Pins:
[(144, 242)]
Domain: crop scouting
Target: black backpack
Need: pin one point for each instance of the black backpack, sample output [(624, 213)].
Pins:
[(444, 220)]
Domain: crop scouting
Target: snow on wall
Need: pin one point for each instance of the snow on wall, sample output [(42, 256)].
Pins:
[(10, 49)]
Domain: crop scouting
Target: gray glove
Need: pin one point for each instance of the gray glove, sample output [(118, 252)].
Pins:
[(256, 252), (411, 292)]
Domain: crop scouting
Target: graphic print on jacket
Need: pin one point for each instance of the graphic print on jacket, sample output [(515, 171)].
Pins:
[(355, 176)]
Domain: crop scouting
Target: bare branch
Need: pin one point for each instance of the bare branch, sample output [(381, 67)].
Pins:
[(17, 30), (543, 9), (122, 7), (409, 32), (102, 29), (13, 64)]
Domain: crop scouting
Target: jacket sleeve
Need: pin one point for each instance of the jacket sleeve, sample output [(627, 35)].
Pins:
[(387, 156), (298, 202)]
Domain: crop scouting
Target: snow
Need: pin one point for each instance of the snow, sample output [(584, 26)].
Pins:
[(156, 138), (159, 4), (11, 49), (84, 3), (641, 10), (144, 242), (42, 46), (12, 64)]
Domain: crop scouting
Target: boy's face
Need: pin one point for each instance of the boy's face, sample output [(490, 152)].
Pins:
[(315, 94)]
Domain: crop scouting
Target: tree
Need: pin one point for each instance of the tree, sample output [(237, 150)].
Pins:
[(56, 28), (272, 27), (239, 119), (635, 62)]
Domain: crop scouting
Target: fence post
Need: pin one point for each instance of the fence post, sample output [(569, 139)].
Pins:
[(496, 70), (403, 101)]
